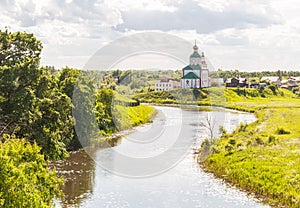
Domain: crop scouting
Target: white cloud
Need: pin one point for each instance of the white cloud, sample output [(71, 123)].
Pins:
[(194, 15), (245, 34)]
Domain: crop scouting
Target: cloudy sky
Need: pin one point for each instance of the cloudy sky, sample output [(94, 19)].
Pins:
[(235, 34)]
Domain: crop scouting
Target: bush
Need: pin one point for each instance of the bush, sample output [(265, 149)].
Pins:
[(208, 146), (281, 131), (259, 140), (25, 181), (272, 139)]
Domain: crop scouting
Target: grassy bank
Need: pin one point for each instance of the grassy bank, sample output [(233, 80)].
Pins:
[(128, 117), (262, 157)]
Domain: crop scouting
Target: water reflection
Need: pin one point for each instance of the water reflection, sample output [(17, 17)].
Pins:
[(79, 174)]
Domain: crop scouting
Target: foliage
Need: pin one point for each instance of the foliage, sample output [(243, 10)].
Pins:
[(113, 114), (18, 48), (103, 110), (32, 107), (25, 181), (78, 86), (235, 73)]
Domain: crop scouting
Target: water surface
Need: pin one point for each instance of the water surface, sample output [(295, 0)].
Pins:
[(170, 178)]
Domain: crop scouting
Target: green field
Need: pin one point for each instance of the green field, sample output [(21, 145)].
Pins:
[(262, 157)]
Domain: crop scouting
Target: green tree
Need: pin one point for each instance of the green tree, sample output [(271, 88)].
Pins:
[(77, 85), (18, 48), (32, 107), (103, 110), (25, 180)]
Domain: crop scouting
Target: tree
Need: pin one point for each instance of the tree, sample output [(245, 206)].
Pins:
[(32, 107), (18, 48), (79, 88), (103, 110), (209, 124), (25, 180)]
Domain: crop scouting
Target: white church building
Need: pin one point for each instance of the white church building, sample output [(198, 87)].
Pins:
[(195, 75)]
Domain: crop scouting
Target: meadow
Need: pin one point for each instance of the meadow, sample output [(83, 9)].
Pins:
[(262, 157)]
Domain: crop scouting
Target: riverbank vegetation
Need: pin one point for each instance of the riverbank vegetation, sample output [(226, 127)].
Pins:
[(25, 180), (262, 157), (53, 111)]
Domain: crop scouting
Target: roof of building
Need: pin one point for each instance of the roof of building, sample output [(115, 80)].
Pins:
[(188, 67), (190, 75), (270, 78), (192, 67), (297, 79), (195, 55)]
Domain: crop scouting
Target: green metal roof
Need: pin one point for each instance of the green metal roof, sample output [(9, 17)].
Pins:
[(190, 75), (195, 55), (192, 67), (188, 67)]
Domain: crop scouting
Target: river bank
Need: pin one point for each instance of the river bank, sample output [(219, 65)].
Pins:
[(133, 117), (262, 157)]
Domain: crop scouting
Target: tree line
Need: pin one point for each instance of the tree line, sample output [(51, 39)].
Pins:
[(255, 74)]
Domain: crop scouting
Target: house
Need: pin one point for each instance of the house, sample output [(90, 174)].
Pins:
[(297, 79), (271, 79), (195, 75), (289, 84), (166, 84), (237, 82)]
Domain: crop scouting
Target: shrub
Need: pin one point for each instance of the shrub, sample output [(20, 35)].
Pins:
[(232, 142), (272, 139), (242, 127), (281, 131), (259, 140), (25, 179), (229, 148)]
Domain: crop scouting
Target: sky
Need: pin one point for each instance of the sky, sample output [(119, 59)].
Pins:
[(248, 35)]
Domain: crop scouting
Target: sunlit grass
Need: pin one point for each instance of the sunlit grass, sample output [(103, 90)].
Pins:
[(263, 157), (128, 117)]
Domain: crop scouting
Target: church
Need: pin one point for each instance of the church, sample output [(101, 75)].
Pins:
[(195, 75)]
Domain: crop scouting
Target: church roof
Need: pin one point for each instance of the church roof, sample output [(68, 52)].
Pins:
[(190, 75), (192, 67), (195, 55), (188, 67)]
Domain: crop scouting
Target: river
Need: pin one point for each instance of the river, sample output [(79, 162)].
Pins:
[(154, 166)]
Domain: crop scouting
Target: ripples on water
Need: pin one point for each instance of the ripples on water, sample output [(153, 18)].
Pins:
[(88, 184)]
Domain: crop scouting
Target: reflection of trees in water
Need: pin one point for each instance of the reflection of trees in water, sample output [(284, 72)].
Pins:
[(79, 174)]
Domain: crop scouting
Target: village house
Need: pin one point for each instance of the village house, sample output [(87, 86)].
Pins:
[(237, 82), (290, 83), (271, 79), (166, 84)]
